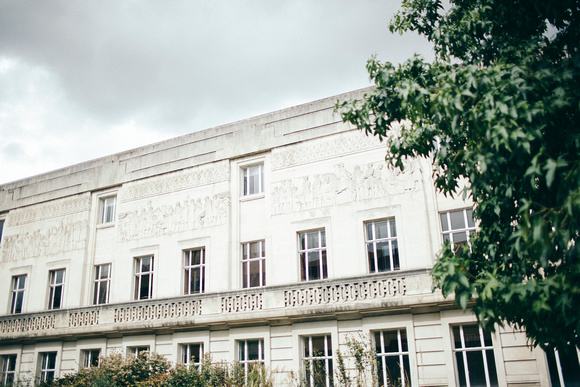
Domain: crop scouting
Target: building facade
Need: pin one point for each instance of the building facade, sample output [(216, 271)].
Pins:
[(275, 239)]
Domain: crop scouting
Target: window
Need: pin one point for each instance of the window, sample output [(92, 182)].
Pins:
[(192, 354), (457, 226), (1, 228), (253, 179), (8, 370), (102, 284), (18, 286), (313, 255), (318, 360), (144, 278), (251, 353), (253, 264), (194, 279), (564, 367), (108, 205), (382, 248), (56, 291), (474, 356), (90, 357), (47, 366), (393, 358), (137, 351)]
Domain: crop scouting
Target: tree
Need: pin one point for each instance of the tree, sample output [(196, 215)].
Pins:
[(499, 109)]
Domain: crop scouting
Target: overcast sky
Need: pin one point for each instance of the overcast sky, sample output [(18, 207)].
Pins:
[(81, 79)]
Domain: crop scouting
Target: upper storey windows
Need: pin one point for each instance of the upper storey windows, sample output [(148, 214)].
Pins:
[(1, 229), (457, 226), (18, 287), (253, 179), (312, 253), (56, 289), (382, 247), (107, 209)]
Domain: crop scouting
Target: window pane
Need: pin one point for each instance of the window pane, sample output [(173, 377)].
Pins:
[(470, 222), (395, 248), (457, 220), (144, 287), (253, 350), (318, 346), (476, 368), (313, 240), (391, 341), (254, 273), (393, 370), (313, 266), (371, 255), (383, 256), (57, 294), (444, 223), (381, 230), (471, 336)]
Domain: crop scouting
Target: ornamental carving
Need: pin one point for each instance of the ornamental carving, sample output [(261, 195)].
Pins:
[(191, 178), (84, 318), (366, 181), (349, 292), (189, 214), (160, 311), (53, 209), (60, 238), (26, 324), (351, 142), (242, 303)]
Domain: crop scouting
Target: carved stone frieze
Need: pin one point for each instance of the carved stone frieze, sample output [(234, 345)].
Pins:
[(322, 149), (59, 238), (191, 178), (159, 311), (25, 324), (83, 318), (348, 292), (242, 303), (189, 214), (365, 181), (53, 209)]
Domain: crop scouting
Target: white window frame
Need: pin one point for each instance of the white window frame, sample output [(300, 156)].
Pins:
[(18, 293), (137, 349), (44, 368), (464, 350), (447, 233), (372, 240), (2, 224), (90, 356), (309, 358), (187, 354), (304, 250), (562, 374), (401, 354), (247, 188), (53, 286), (247, 261), (190, 268), (8, 369), (243, 354), (100, 283), (107, 209), (140, 274)]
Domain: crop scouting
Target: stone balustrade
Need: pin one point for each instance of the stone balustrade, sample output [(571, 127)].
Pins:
[(383, 290)]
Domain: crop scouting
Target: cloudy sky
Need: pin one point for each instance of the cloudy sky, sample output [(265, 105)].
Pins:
[(81, 79)]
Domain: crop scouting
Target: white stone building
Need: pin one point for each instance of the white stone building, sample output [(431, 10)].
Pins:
[(274, 239)]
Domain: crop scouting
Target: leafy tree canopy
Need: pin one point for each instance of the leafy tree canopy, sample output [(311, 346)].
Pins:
[(498, 108)]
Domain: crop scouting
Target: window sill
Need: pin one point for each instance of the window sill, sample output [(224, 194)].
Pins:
[(248, 198), (101, 226)]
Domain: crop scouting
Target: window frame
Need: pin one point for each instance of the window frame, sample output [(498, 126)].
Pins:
[(2, 224), (138, 275), (247, 261), (304, 250), (243, 359), (99, 282), (247, 187), (88, 357), (188, 268), (136, 350), (44, 369), (373, 240), (53, 288), (401, 354), (17, 292), (308, 357), (186, 354), (107, 213), (8, 369), (560, 376), (447, 235), (483, 348)]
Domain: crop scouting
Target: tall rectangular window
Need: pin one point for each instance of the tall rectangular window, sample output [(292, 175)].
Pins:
[(108, 206), (138, 351), (253, 179), (194, 278), (192, 354), (56, 291), (47, 366), (18, 287), (1, 228), (564, 366), (393, 358), (457, 226), (474, 357), (90, 357), (251, 353), (8, 370), (382, 247), (102, 284), (253, 264), (318, 361), (312, 253), (143, 278)]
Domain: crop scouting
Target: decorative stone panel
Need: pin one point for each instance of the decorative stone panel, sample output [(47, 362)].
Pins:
[(242, 303), (83, 318), (36, 323), (166, 310)]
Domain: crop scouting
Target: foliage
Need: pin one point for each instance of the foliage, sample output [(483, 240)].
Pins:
[(498, 109)]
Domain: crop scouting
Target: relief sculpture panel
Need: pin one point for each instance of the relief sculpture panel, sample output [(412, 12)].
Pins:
[(188, 214), (366, 181), (66, 206)]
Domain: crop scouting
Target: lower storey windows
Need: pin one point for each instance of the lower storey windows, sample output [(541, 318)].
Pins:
[(392, 358), (251, 353), (7, 370), (90, 357), (137, 351), (564, 367), (47, 366), (192, 354), (474, 356), (318, 370)]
